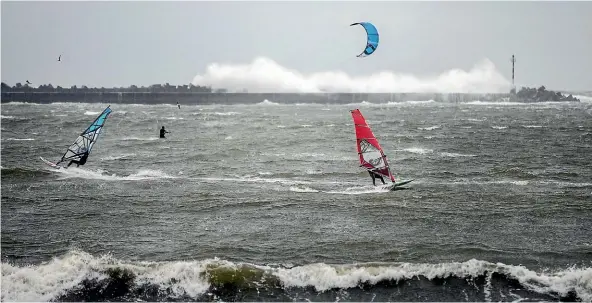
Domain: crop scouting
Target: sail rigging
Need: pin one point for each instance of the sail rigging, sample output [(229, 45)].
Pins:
[(87, 139), (371, 155)]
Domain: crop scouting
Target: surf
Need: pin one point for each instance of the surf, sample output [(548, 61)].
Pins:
[(80, 276)]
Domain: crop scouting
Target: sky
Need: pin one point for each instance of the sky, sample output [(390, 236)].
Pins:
[(299, 46)]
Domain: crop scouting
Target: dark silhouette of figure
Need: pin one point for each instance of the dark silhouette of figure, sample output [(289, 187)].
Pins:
[(82, 161), (374, 176), (162, 132)]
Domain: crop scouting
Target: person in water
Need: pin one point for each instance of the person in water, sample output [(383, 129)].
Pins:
[(162, 132), (178, 105), (82, 161), (374, 176)]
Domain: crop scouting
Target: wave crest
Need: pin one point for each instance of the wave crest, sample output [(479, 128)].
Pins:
[(265, 75), (81, 277)]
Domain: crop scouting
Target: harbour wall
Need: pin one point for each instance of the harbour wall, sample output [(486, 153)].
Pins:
[(198, 98)]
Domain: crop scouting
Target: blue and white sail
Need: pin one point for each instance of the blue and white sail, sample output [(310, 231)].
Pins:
[(87, 139), (371, 38)]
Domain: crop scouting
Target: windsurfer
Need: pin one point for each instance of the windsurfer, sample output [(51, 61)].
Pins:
[(82, 160), (374, 176)]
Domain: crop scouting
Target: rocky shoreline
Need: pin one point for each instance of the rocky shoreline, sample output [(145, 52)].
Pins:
[(541, 94)]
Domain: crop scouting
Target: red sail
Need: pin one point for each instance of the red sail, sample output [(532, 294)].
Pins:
[(371, 154)]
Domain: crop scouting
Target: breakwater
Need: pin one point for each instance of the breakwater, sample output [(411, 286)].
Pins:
[(203, 98)]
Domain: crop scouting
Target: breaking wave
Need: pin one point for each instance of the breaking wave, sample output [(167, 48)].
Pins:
[(79, 276), (265, 75)]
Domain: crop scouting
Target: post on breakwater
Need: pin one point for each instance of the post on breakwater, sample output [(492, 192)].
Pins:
[(513, 91)]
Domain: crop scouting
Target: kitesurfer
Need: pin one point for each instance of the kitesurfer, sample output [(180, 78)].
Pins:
[(178, 105), (374, 176), (162, 132)]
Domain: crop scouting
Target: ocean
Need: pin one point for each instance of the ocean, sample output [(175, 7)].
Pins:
[(267, 202)]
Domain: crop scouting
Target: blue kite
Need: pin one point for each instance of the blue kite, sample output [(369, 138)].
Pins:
[(372, 42)]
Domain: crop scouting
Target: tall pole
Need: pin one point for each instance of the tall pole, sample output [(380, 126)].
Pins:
[(513, 62)]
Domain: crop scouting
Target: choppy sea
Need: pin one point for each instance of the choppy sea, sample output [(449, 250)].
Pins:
[(267, 202)]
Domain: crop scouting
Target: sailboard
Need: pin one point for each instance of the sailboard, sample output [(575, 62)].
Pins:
[(372, 157), (85, 141), (371, 38)]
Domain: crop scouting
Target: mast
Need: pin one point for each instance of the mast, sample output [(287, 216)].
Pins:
[(513, 85)]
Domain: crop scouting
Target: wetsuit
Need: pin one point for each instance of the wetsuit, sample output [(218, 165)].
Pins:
[(82, 160), (374, 176), (162, 132)]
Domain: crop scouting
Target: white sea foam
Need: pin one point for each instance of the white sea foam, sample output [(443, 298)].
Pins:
[(429, 128), (99, 174), (48, 280), (360, 190), (418, 150), (266, 75), (267, 102), (18, 139), (139, 139), (456, 155), (303, 189), (226, 113), (117, 157)]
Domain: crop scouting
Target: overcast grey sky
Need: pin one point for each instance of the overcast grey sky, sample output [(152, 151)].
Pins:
[(124, 43)]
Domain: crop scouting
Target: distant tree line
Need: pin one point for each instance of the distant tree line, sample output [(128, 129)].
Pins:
[(155, 88), (542, 94)]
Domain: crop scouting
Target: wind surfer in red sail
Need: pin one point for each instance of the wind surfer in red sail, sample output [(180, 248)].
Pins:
[(370, 152), (374, 176)]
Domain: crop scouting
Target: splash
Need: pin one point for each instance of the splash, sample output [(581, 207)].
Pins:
[(194, 280), (265, 75), (303, 189), (142, 174)]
